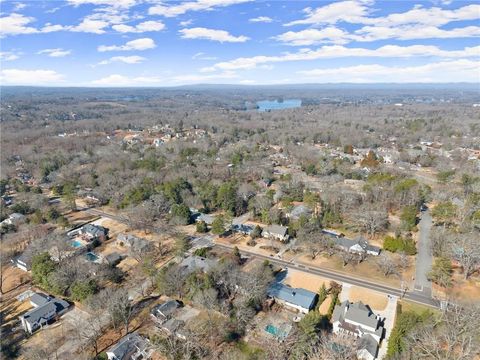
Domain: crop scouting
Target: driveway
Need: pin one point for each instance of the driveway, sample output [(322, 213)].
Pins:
[(389, 314), (424, 256)]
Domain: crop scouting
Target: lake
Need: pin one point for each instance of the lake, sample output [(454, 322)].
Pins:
[(268, 105)]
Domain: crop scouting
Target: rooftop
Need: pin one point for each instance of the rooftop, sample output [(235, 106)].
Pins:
[(296, 296)]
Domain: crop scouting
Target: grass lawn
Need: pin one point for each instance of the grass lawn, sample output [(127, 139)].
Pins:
[(414, 307)]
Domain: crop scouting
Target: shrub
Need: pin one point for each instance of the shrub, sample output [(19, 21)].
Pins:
[(202, 227)]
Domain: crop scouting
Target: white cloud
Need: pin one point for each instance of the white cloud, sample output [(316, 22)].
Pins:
[(202, 78), (264, 19), (140, 28), (329, 34), (15, 24), (337, 51), (30, 77), (121, 80), (447, 71), (211, 34), (408, 32), (90, 26), (112, 3), (8, 56), (124, 59), (348, 11), (19, 6), (138, 44), (186, 22), (199, 5), (358, 11), (203, 56), (55, 52)]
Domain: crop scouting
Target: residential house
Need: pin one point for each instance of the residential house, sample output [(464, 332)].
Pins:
[(132, 241), (297, 298), (45, 309), (24, 261), (196, 263), (276, 231), (208, 219), (130, 347), (358, 320), (113, 259), (93, 232), (163, 312), (242, 228), (359, 245)]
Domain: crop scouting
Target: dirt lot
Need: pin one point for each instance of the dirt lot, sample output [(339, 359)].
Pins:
[(300, 279), (365, 270), (373, 299)]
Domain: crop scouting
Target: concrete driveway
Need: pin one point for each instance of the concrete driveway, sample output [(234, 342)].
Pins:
[(389, 314)]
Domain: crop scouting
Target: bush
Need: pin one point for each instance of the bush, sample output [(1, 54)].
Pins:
[(181, 214), (202, 227), (398, 244), (218, 226), (82, 290), (203, 252), (409, 217)]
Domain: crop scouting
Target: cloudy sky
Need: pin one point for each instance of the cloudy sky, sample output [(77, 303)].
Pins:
[(166, 43)]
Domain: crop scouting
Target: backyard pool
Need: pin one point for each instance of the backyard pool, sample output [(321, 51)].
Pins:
[(92, 257), (76, 244), (280, 333)]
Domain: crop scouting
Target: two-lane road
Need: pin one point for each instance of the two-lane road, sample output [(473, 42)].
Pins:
[(416, 296), (342, 277)]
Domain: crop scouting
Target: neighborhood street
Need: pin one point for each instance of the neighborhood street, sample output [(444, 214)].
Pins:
[(339, 277), (416, 296), (424, 256)]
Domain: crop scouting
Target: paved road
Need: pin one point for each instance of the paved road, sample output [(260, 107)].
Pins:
[(341, 277), (424, 257), (419, 297)]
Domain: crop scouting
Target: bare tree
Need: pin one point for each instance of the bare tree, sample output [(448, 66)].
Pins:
[(371, 220), (386, 265), (453, 335), (466, 250)]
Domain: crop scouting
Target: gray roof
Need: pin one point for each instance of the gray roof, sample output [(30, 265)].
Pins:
[(113, 258), (194, 263), (40, 312), (166, 309), (368, 343), (208, 219), (347, 244), (277, 230), (133, 241), (94, 230), (295, 296), (356, 312), (128, 346), (39, 299)]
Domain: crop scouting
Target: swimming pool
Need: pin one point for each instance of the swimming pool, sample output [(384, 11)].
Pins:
[(76, 244), (280, 333), (92, 257), (272, 330)]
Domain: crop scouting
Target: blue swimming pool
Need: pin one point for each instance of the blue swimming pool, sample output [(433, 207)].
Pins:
[(76, 244), (92, 257), (272, 330)]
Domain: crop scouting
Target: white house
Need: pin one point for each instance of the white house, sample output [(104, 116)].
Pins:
[(45, 309), (358, 320)]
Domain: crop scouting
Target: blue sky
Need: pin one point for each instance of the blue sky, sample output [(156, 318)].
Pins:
[(168, 43)]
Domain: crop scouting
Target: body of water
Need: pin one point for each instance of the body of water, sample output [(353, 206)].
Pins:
[(269, 105)]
